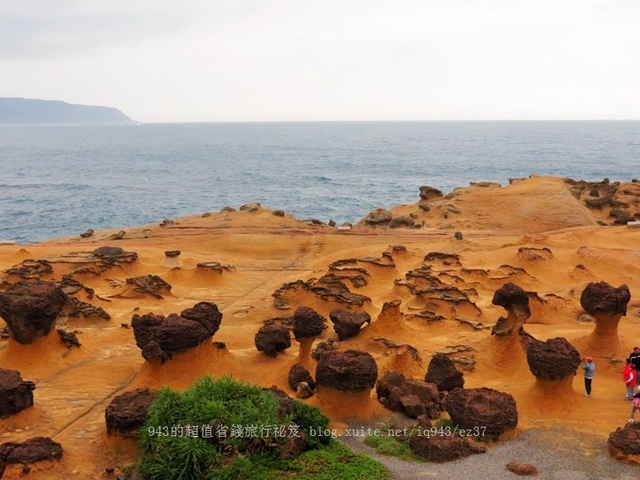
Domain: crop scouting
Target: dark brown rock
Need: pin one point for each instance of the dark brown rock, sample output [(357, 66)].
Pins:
[(390, 381), (272, 339), (442, 448), (293, 447), (552, 360), (114, 255), (443, 372), (127, 413), (378, 216), (524, 469), (33, 450), (348, 324), (516, 302), (490, 410), (417, 398), (30, 309), (69, 339), (626, 440), (299, 374), (149, 284), (15, 393), (160, 337), (307, 323), (602, 297), (348, 370), (429, 193)]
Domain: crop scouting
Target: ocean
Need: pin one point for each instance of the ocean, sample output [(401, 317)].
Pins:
[(61, 180)]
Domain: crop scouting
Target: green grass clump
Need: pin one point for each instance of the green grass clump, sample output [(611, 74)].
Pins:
[(392, 446), (225, 429)]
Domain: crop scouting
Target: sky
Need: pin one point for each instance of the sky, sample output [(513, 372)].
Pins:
[(327, 60)]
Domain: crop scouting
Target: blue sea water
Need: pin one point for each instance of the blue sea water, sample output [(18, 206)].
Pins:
[(60, 180)]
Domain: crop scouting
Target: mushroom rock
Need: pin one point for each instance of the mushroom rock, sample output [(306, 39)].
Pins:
[(160, 337), (307, 325), (347, 324), (443, 372), (491, 411), (516, 302), (30, 309), (607, 305), (429, 193), (127, 413), (15, 393), (114, 255), (171, 259), (379, 216), (299, 374), (344, 381), (508, 337), (272, 339), (554, 364), (624, 443)]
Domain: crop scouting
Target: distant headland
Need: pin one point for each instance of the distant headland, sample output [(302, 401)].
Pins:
[(22, 111)]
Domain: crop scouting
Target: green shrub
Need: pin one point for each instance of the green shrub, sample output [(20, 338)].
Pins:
[(217, 428)]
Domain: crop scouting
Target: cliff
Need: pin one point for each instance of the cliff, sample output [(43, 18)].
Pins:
[(22, 111)]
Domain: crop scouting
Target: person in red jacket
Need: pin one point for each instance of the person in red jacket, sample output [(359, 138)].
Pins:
[(629, 377)]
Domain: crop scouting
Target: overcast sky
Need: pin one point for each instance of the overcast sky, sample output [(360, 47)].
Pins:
[(288, 60)]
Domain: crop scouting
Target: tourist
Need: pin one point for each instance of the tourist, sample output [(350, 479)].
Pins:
[(634, 406), (634, 358), (629, 377), (589, 371)]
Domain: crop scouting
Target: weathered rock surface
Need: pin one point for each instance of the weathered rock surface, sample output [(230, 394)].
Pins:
[(516, 302), (417, 398), (552, 360), (30, 309), (378, 216), (127, 413), (442, 448), (389, 382), (15, 393), (348, 370), (624, 443), (490, 410), (160, 337), (272, 339), (307, 323), (298, 374), (524, 469), (443, 372), (348, 324), (33, 450), (602, 297), (114, 255)]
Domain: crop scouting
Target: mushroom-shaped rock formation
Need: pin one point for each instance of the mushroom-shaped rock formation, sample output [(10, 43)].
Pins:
[(160, 337), (34, 450), (515, 300), (344, 381), (443, 448), (307, 325), (388, 320), (348, 370), (30, 309), (127, 413), (607, 305), (272, 339), (171, 259), (491, 411), (624, 443), (114, 255), (379, 216), (347, 324), (429, 193), (298, 374), (554, 364), (386, 385), (15, 393), (443, 372)]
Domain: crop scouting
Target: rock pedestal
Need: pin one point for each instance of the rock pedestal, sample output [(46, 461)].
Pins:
[(15, 393)]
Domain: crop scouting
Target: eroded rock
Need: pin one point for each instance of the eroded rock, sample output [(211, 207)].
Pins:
[(160, 337), (15, 393), (272, 339), (443, 373), (348, 370), (348, 324), (127, 413), (491, 411), (30, 309)]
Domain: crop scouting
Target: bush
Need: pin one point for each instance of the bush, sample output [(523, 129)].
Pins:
[(219, 429)]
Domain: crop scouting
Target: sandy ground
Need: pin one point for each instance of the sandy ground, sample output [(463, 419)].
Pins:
[(500, 226)]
